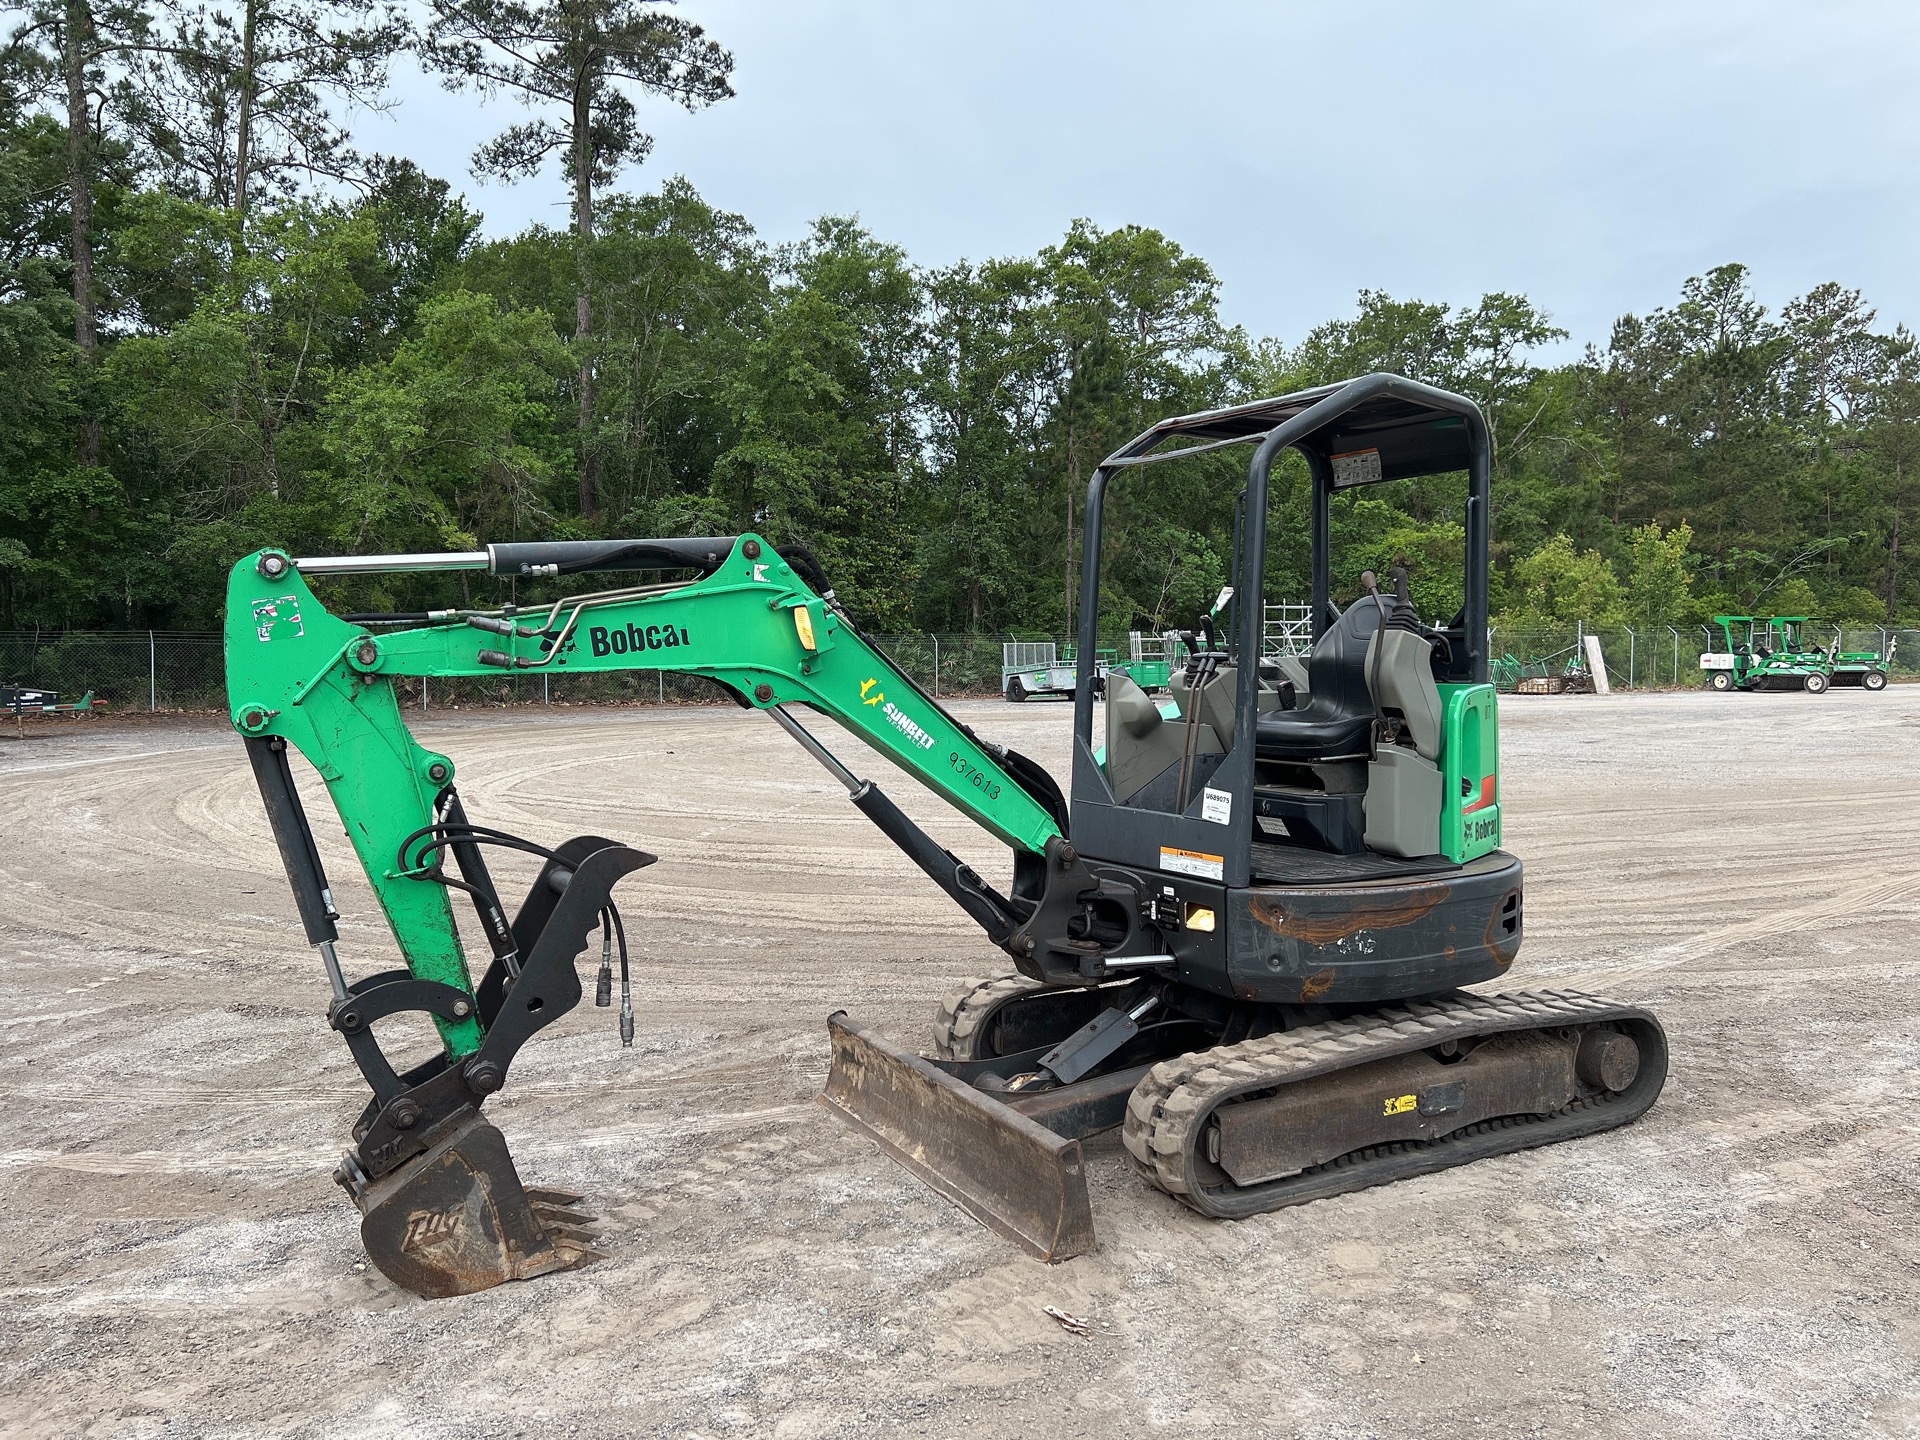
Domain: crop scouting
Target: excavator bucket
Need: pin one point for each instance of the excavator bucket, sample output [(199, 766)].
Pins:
[(457, 1219), (1007, 1171)]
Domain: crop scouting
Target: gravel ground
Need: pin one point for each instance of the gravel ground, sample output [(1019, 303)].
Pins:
[(177, 1262)]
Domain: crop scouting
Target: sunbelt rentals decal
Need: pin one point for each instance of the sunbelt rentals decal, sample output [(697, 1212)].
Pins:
[(872, 694)]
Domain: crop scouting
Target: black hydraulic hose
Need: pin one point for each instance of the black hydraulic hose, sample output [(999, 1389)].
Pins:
[(610, 926), (626, 981), (577, 557), (479, 834), (479, 884), (456, 834)]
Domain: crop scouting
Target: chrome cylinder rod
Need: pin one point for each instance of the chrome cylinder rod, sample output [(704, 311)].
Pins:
[(330, 957), (381, 564), (819, 752), (1139, 962)]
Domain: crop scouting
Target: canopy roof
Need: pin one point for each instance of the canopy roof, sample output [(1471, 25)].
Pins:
[(1375, 428)]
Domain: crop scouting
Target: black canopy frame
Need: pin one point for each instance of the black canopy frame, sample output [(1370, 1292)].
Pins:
[(1358, 432)]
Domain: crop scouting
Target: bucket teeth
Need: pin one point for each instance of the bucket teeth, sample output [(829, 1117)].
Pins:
[(578, 1254), (565, 1223), (456, 1219), (561, 1214), (559, 1227)]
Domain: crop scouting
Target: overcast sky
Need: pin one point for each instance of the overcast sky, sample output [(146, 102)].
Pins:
[(1591, 156)]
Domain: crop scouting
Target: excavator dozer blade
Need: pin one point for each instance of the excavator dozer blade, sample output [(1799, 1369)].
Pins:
[(1008, 1172), (457, 1219)]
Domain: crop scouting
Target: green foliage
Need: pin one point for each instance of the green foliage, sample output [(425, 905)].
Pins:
[(370, 374), (1794, 597), (222, 395), (1659, 575), (1559, 586), (451, 443), (1374, 534), (1854, 605), (582, 59), (821, 405)]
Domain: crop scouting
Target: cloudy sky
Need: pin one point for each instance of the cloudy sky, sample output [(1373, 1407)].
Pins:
[(1590, 155)]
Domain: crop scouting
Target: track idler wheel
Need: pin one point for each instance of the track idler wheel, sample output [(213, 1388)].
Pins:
[(456, 1219)]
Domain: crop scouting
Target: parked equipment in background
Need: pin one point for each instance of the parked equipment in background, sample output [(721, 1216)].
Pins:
[(1241, 942), (19, 700), (1859, 669), (1151, 660), (1564, 673), (1041, 667), (1777, 652)]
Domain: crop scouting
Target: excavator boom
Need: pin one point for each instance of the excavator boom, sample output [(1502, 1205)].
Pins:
[(444, 1211)]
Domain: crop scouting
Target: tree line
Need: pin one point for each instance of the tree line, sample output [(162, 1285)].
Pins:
[(222, 326)]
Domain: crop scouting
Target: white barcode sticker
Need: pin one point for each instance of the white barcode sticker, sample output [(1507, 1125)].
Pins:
[(1216, 806)]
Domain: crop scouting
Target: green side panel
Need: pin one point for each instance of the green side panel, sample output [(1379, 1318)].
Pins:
[(1147, 674), (1469, 771)]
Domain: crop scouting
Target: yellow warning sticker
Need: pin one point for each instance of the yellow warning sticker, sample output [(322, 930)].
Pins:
[(1192, 862), (1400, 1104)]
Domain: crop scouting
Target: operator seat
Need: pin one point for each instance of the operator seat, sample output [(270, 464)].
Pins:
[(1336, 723)]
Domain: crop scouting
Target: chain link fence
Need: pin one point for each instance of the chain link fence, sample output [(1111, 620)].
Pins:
[(174, 670), (177, 670), (128, 670)]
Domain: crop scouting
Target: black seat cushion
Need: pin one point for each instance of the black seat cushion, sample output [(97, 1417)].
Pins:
[(1303, 737), (1337, 720)]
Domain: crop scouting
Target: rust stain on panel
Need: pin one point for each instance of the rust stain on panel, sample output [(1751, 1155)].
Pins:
[(1317, 984), (1403, 908), (1503, 946)]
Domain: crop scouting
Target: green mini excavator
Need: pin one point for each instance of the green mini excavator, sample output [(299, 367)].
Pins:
[(1242, 940)]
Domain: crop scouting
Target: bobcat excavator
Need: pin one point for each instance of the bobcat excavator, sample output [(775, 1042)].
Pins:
[(1243, 942)]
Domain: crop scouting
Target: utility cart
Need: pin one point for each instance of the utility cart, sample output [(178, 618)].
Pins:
[(1776, 652)]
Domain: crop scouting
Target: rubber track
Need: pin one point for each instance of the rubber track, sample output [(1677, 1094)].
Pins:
[(963, 1014), (1168, 1111)]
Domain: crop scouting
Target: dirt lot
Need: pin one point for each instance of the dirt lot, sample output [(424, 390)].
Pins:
[(1743, 1261)]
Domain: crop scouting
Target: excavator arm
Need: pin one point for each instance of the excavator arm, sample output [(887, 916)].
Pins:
[(444, 1211)]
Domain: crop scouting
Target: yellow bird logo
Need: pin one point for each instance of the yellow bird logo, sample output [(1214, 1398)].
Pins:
[(876, 697)]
